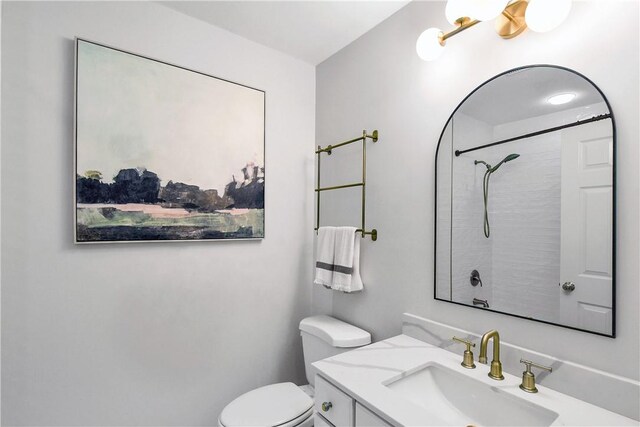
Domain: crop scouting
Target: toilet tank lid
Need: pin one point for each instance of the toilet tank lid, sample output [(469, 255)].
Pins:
[(335, 332)]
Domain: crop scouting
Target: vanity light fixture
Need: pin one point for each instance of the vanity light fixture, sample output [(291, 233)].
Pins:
[(512, 17), (561, 98)]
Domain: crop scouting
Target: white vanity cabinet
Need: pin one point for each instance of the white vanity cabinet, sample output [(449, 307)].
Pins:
[(366, 418), (334, 407), (319, 421)]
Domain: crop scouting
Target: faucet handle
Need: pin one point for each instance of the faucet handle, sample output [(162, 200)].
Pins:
[(467, 356), (528, 378)]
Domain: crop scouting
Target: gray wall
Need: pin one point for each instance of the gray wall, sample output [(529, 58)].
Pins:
[(379, 82), (142, 334)]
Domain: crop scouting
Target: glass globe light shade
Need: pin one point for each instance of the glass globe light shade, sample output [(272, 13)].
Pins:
[(486, 10), (428, 45), (545, 15), (457, 9)]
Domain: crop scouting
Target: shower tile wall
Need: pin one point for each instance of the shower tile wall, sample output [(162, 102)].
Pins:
[(525, 228)]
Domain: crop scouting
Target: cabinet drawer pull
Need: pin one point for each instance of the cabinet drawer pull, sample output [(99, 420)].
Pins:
[(326, 406)]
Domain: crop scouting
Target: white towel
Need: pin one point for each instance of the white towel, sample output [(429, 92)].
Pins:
[(325, 252), (346, 261)]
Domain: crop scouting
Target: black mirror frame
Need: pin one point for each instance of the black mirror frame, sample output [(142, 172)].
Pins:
[(614, 203)]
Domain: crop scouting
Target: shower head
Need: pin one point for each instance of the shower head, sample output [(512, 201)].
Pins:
[(505, 160)]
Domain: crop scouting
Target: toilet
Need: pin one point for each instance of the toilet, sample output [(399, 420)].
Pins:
[(286, 404)]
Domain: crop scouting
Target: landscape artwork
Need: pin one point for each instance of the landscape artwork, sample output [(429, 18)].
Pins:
[(164, 153)]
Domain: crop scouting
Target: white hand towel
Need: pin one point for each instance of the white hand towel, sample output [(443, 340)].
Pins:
[(346, 270), (325, 252)]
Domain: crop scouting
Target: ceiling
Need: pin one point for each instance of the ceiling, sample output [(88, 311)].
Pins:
[(311, 31), (523, 94)]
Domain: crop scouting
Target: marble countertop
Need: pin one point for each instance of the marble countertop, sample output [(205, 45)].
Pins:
[(363, 372)]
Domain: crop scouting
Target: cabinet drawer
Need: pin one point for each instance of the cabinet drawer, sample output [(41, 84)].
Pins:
[(318, 421), (366, 418), (338, 406)]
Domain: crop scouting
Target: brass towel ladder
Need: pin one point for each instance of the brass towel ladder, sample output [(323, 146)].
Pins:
[(374, 137)]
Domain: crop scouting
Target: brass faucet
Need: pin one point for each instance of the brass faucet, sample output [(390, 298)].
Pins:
[(496, 366)]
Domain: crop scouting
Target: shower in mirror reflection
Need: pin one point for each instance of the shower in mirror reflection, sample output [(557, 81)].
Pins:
[(551, 210), (485, 187)]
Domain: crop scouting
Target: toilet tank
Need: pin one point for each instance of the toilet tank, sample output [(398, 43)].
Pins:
[(324, 336)]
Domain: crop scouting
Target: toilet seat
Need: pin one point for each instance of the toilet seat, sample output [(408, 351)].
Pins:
[(282, 405)]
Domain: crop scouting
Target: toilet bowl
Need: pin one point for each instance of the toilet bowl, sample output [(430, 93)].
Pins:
[(286, 404), (283, 404)]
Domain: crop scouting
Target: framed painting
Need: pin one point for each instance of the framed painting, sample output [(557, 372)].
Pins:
[(164, 153)]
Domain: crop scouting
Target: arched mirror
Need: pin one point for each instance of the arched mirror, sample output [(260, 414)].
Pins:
[(525, 196)]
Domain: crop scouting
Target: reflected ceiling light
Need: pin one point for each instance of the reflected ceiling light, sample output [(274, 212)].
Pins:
[(512, 17), (561, 98)]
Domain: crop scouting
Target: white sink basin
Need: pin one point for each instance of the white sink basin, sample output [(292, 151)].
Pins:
[(457, 399)]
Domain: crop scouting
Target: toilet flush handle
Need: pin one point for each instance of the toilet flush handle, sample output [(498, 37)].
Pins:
[(326, 406)]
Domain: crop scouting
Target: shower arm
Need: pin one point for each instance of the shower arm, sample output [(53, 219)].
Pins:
[(475, 162)]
